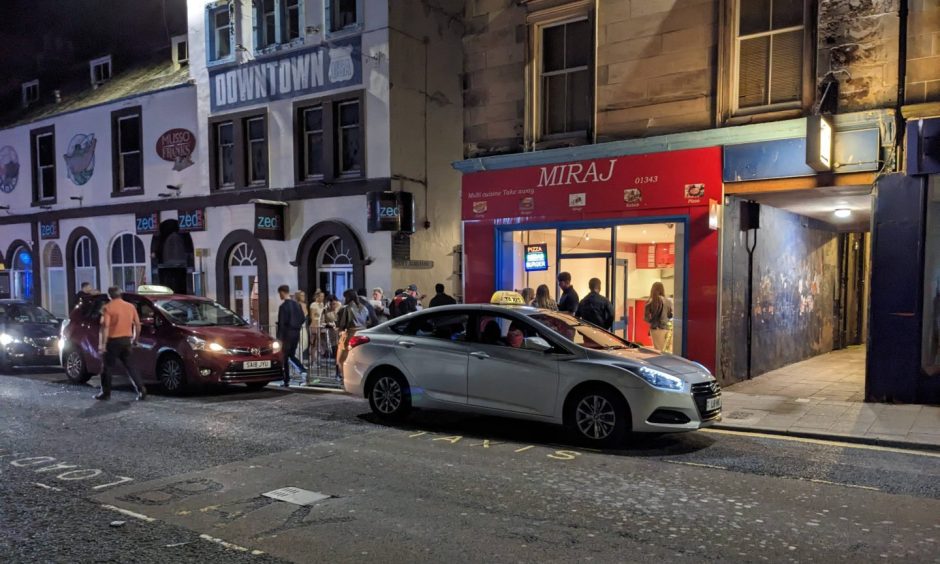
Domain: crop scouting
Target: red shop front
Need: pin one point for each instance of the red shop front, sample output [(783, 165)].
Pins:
[(630, 221)]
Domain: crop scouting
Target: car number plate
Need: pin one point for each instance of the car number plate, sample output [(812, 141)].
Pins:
[(256, 364), (50, 351), (712, 404)]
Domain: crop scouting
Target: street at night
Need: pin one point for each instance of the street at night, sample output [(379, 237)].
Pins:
[(186, 478)]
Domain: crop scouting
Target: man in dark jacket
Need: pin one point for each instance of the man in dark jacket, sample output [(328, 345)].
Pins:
[(568, 303), (440, 298), (404, 302), (595, 308), (290, 319)]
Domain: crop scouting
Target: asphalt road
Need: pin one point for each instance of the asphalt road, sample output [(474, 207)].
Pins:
[(180, 479)]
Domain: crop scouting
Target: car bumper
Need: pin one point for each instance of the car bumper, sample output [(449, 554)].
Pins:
[(22, 354), (228, 369), (660, 411)]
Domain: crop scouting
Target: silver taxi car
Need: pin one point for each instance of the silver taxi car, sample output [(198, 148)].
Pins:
[(528, 363)]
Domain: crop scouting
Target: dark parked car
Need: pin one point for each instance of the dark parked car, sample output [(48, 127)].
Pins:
[(185, 341), (29, 335)]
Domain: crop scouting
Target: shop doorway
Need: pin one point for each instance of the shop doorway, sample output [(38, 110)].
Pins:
[(330, 258), (243, 283), (628, 258), (173, 257), (22, 274), (56, 298)]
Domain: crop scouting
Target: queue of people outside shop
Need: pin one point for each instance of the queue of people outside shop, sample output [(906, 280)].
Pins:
[(321, 330)]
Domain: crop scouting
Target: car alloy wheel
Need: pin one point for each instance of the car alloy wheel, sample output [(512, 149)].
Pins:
[(387, 395), (75, 368), (595, 417), (171, 374)]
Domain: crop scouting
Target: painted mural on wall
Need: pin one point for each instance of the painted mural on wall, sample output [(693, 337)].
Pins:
[(80, 160), (9, 169), (795, 282)]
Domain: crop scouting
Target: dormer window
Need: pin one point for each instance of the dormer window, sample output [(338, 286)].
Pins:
[(180, 50), (100, 70), (30, 93)]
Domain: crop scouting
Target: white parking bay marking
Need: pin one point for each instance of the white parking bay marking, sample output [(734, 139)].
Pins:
[(129, 513)]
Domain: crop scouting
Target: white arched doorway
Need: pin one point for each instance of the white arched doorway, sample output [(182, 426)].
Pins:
[(243, 282), (86, 263), (335, 267), (56, 292), (22, 274), (128, 262)]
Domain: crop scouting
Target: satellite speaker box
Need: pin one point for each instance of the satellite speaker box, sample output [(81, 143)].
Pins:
[(750, 216)]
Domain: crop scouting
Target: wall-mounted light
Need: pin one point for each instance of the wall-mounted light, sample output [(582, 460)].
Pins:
[(842, 212)]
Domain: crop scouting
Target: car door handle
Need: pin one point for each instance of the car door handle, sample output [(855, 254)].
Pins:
[(407, 344), (479, 354)]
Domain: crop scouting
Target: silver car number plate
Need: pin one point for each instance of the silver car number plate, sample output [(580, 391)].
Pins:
[(256, 364), (712, 404)]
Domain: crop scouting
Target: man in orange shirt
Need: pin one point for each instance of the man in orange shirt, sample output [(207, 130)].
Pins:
[(120, 329)]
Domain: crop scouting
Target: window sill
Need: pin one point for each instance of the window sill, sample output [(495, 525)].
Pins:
[(278, 47), (561, 140), (345, 32), (128, 192), (761, 115), (219, 62), (44, 202)]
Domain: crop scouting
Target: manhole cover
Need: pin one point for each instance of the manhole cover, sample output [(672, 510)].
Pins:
[(296, 496), (739, 415)]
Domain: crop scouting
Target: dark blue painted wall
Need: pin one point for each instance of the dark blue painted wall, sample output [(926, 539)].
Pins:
[(894, 346)]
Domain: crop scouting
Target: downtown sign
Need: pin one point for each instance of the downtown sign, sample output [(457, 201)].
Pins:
[(334, 65)]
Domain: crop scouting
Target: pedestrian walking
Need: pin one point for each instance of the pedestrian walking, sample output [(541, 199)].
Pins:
[(595, 308), (569, 300), (290, 319), (303, 344), (440, 298), (314, 315), (543, 298), (352, 317), (403, 304), (364, 302), (412, 291), (658, 313), (120, 330), (86, 291), (380, 304)]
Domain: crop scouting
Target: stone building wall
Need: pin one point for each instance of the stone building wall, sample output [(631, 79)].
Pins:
[(923, 52), (858, 41)]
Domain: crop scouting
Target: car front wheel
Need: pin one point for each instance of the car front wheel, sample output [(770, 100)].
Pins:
[(172, 375), (75, 369), (390, 397), (598, 417)]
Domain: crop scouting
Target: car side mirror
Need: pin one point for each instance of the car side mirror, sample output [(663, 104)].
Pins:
[(536, 344)]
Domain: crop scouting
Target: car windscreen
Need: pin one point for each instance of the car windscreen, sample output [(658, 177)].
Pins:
[(26, 313), (581, 334), (198, 313)]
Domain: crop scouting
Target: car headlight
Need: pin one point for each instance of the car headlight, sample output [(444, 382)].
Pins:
[(276, 346), (656, 378), (200, 344), (6, 339)]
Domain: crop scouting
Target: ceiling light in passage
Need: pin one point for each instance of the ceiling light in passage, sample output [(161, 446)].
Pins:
[(842, 212)]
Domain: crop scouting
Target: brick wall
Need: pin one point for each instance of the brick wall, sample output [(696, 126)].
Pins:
[(858, 40), (923, 52), (655, 66)]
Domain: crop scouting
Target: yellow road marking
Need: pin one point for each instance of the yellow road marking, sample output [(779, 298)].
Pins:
[(814, 480), (826, 442), (523, 449), (699, 464)]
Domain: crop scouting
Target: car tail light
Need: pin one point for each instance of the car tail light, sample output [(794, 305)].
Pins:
[(357, 340)]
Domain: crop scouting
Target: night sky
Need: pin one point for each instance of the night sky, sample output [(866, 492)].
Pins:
[(36, 36)]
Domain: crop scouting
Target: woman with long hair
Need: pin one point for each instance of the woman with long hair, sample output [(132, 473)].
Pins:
[(528, 296), (543, 298), (658, 313)]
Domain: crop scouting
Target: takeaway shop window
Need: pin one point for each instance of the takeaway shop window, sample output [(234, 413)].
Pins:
[(219, 19), (343, 14), (42, 149), (128, 161), (330, 140)]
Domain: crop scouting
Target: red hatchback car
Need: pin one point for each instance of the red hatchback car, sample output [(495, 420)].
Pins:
[(185, 341)]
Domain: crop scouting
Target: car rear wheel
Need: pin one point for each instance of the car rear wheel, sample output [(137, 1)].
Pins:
[(390, 396), (598, 417), (171, 374), (75, 369)]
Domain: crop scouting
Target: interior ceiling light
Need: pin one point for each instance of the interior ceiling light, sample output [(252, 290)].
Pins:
[(842, 212)]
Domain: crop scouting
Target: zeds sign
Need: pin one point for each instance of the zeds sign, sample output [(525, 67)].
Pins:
[(295, 73)]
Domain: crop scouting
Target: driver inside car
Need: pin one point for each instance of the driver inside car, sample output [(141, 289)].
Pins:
[(515, 337)]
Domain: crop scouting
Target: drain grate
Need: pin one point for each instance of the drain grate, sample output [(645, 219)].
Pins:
[(297, 496), (739, 415)]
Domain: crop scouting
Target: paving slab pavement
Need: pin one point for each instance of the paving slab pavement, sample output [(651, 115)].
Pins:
[(823, 397)]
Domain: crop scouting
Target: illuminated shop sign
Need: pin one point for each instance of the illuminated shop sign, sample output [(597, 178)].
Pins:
[(536, 257), (192, 220)]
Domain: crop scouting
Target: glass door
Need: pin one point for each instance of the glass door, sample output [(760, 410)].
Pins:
[(243, 282), (56, 295)]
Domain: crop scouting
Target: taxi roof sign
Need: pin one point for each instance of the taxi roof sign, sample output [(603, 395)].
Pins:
[(154, 289), (507, 297)]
